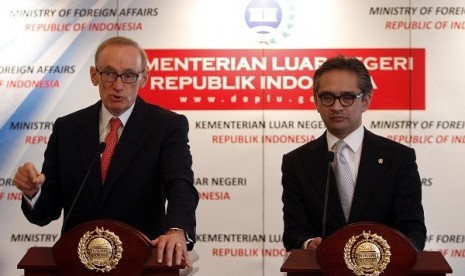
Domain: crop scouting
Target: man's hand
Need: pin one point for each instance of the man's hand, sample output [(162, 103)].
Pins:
[(172, 246), (314, 244), (28, 179)]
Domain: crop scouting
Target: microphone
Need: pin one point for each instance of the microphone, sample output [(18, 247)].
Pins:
[(101, 148), (330, 159)]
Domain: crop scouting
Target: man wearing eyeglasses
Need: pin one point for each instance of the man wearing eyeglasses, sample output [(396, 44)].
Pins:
[(380, 176), (146, 160)]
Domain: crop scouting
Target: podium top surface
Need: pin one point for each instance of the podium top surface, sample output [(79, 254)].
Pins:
[(42, 258), (131, 252), (305, 261)]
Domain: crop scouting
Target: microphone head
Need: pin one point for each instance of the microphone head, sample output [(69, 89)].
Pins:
[(101, 147), (330, 156)]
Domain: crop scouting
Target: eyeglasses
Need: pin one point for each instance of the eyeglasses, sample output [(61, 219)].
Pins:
[(346, 99), (111, 76)]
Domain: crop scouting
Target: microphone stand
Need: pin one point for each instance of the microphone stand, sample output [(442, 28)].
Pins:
[(101, 148), (325, 206)]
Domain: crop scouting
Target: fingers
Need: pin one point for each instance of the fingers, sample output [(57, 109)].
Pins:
[(28, 179), (178, 253), (185, 255), (30, 170), (172, 248), (314, 243), (317, 241), (161, 244), (154, 242), (39, 180)]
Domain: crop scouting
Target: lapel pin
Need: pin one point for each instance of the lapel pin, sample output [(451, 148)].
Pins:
[(380, 161)]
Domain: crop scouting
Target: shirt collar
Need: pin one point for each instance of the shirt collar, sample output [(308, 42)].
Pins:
[(105, 115), (353, 140)]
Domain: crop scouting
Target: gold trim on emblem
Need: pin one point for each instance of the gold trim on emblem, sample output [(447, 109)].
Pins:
[(367, 254), (100, 250)]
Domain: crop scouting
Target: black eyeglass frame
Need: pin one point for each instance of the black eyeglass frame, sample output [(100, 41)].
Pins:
[(348, 96), (124, 76)]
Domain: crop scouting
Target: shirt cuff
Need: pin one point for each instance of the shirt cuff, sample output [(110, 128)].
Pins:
[(32, 201), (188, 239), (305, 244)]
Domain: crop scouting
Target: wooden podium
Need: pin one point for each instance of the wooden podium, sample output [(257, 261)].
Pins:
[(334, 256), (137, 257)]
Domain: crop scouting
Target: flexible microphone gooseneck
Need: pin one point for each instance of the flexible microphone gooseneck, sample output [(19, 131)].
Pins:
[(101, 148), (325, 204)]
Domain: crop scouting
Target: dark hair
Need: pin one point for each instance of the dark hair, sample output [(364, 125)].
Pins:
[(121, 40), (345, 63)]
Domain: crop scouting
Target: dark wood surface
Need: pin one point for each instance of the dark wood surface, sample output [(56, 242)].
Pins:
[(330, 252), (304, 262), (40, 261), (138, 257), (328, 259)]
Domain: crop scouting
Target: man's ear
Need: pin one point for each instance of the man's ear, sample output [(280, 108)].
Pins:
[(144, 77), (94, 76), (315, 101), (366, 101)]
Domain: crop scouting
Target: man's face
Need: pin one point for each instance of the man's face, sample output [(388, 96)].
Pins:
[(341, 120), (118, 96)]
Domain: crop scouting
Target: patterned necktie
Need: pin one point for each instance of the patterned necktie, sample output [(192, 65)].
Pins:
[(345, 183), (111, 140)]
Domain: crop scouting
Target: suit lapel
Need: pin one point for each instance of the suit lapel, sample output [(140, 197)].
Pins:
[(315, 169), (316, 158), (134, 134), (88, 143), (373, 158)]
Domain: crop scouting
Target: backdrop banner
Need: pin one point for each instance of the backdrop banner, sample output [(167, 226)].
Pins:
[(241, 71)]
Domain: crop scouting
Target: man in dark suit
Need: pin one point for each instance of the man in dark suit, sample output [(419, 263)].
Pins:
[(384, 174), (151, 163)]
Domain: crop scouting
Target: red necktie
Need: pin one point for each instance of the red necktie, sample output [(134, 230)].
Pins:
[(110, 141)]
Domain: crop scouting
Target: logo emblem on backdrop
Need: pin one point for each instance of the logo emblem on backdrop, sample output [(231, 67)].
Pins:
[(268, 21)]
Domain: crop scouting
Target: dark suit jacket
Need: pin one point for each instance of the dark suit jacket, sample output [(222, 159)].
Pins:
[(151, 164), (388, 191)]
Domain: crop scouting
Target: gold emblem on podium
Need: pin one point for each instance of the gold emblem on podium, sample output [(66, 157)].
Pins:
[(367, 254), (100, 250)]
